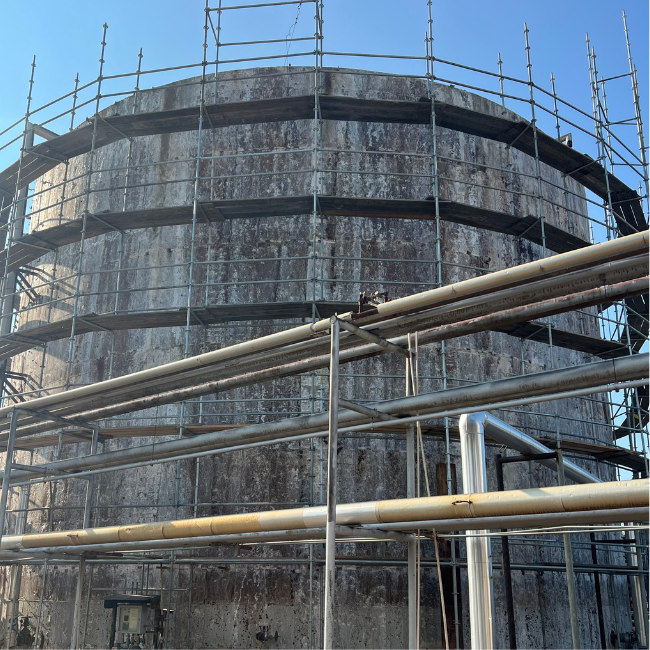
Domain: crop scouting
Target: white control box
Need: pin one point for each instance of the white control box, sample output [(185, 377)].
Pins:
[(130, 619)]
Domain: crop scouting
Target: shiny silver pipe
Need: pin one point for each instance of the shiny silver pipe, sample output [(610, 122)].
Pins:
[(479, 556), (502, 432), (533, 385)]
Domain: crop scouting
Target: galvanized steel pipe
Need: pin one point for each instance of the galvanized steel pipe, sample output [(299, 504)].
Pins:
[(479, 554), (533, 385)]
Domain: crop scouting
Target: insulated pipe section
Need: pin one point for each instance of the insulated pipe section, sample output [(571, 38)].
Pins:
[(501, 432), (555, 519), (636, 244), (303, 356), (574, 498), (533, 385), (296, 359), (369, 532), (479, 553)]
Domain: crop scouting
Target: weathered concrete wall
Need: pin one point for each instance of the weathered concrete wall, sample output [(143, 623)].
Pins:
[(270, 260)]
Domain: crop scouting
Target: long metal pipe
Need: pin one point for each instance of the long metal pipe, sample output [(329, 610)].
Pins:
[(343, 533), (332, 455), (479, 554), (581, 258), (533, 385), (369, 532), (375, 424), (296, 358), (521, 521), (611, 495), (472, 430), (248, 371), (570, 574)]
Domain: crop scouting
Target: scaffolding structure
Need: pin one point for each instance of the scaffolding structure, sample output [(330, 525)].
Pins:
[(615, 308)]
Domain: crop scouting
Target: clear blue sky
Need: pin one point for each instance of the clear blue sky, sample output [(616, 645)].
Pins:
[(65, 37)]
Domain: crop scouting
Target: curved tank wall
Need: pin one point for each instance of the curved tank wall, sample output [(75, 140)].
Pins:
[(288, 259)]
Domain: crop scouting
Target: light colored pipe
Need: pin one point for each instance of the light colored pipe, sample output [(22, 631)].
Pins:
[(550, 307), (519, 304), (575, 498), (532, 385), (522, 521), (295, 359), (373, 425), (395, 532), (343, 533), (479, 550), (547, 267), (501, 432)]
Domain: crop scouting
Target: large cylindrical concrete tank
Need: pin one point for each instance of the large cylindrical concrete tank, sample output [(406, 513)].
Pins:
[(288, 269)]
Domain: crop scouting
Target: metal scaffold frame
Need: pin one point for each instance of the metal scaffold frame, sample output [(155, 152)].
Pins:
[(609, 292)]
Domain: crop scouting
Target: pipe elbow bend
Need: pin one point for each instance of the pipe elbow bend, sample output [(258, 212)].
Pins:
[(473, 423)]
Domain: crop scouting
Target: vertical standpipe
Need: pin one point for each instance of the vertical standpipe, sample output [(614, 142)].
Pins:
[(479, 558)]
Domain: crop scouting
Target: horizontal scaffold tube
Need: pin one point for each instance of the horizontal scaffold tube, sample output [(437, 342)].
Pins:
[(623, 247), (576, 498), (532, 385)]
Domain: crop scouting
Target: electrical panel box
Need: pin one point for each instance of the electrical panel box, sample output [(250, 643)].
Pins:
[(130, 619)]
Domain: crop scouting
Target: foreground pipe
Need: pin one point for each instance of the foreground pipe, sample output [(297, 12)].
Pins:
[(332, 480), (522, 521), (548, 267), (444, 323), (479, 554), (533, 385), (472, 429), (575, 498), (584, 288), (621, 280), (509, 314), (368, 532)]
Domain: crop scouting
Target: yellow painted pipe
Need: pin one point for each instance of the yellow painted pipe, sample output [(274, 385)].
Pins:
[(572, 498)]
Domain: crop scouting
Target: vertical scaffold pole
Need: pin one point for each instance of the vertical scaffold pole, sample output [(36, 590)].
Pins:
[(438, 283), (533, 121), (332, 449), (7, 470), (125, 197), (317, 244), (39, 611), (188, 311), (316, 145), (15, 221), (503, 97), (570, 575), (13, 604), (64, 187), (599, 117), (76, 618), (91, 161), (412, 558), (637, 108), (556, 113), (216, 29)]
